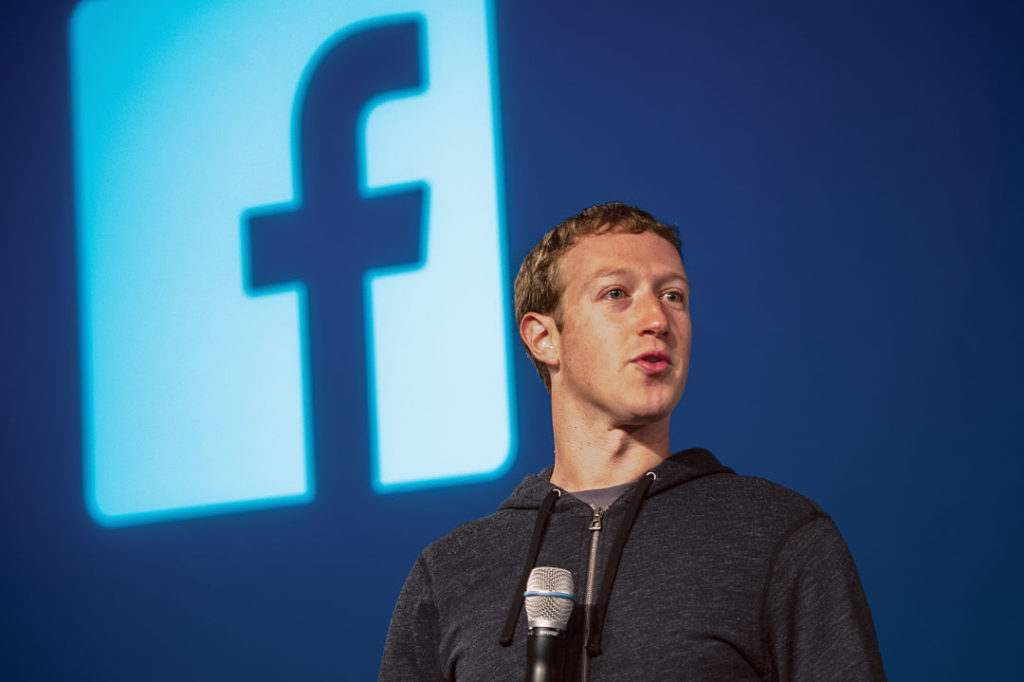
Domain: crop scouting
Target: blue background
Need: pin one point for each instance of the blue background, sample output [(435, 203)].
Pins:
[(847, 177)]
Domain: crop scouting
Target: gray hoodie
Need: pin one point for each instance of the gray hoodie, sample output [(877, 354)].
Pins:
[(698, 574)]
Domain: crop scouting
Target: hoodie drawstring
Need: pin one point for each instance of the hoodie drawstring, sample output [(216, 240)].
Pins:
[(531, 558), (612, 566)]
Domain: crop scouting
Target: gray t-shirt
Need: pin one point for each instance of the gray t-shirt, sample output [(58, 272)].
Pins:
[(602, 498)]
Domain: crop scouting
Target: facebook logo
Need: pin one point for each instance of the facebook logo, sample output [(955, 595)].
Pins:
[(288, 218)]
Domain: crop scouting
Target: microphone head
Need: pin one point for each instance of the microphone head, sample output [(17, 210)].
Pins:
[(549, 598)]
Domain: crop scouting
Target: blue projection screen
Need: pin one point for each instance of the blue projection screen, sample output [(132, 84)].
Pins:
[(196, 382)]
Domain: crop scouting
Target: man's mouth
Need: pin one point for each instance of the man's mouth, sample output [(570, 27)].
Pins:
[(653, 362)]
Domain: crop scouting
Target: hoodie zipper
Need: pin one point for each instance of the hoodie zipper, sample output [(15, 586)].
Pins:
[(595, 536)]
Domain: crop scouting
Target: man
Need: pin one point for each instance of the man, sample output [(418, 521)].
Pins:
[(683, 569)]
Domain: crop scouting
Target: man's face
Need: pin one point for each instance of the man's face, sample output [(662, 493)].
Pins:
[(624, 345)]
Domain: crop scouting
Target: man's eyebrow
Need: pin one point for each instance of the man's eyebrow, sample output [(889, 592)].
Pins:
[(608, 272), (613, 271)]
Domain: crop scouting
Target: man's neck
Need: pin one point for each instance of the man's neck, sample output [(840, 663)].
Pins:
[(589, 456)]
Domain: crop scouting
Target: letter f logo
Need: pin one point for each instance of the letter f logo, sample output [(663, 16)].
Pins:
[(223, 271)]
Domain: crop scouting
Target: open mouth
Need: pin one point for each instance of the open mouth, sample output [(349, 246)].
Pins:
[(652, 362)]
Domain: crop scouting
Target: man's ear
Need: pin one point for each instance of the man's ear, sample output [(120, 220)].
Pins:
[(540, 334)]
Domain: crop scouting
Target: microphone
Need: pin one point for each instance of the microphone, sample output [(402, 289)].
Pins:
[(549, 600)]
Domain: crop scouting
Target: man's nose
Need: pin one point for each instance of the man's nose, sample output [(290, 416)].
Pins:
[(653, 319)]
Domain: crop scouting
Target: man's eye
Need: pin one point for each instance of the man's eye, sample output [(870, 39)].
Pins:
[(673, 297), (615, 294)]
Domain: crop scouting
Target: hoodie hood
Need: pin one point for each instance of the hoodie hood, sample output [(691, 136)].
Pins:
[(680, 468)]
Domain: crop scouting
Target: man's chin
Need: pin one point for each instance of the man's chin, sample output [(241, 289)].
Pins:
[(641, 418), (651, 413)]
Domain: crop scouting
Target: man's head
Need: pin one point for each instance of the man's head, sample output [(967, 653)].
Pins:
[(539, 286)]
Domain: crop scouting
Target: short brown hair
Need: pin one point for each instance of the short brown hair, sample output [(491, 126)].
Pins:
[(537, 289)]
